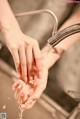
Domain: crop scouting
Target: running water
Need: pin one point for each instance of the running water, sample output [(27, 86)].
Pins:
[(21, 110), (4, 107)]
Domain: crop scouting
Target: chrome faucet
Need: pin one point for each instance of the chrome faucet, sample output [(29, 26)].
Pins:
[(61, 35), (57, 36)]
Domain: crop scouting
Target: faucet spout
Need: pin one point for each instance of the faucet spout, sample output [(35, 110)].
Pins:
[(61, 35)]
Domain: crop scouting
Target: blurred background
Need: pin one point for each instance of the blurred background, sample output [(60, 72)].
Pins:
[(67, 68)]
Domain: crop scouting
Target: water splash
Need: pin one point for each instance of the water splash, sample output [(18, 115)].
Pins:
[(9, 98), (4, 107), (21, 110)]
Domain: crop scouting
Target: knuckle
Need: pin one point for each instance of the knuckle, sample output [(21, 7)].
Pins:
[(36, 43), (13, 48), (21, 44), (29, 62), (29, 44), (17, 63), (38, 58), (23, 63)]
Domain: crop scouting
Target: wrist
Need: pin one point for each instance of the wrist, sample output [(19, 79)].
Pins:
[(8, 21), (9, 29), (9, 32), (50, 57)]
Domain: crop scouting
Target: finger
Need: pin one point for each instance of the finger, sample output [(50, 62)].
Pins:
[(24, 99), (39, 88), (20, 96), (16, 96), (19, 89), (23, 63), (33, 71), (24, 91), (37, 56), (29, 106), (17, 92), (41, 84), (29, 58), (16, 59), (13, 87), (16, 84), (36, 95), (23, 96)]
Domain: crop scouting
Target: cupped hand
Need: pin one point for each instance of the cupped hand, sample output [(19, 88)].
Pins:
[(22, 91), (39, 86), (23, 49), (28, 94)]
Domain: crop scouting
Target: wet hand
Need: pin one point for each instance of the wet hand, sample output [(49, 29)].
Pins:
[(22, 91), (23, 49), (39, 86)]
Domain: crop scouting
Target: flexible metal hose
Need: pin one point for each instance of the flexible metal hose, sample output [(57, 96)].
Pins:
[(37, 12), (61, 35)]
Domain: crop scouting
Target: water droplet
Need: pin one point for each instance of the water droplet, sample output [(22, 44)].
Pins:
[(4, 107), (8, 98), (21, 110)]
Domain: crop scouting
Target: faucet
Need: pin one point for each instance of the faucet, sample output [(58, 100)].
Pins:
[(61, 35), (57, 36)]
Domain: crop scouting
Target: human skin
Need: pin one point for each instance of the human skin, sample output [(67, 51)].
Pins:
[(24, 91), (23, 48), (50, 59)]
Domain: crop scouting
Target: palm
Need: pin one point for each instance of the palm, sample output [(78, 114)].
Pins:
[(40, 84)]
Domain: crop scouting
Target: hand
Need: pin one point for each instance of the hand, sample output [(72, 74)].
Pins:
[(22, 91), (23, 49), (40, 84), (28, 94)]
